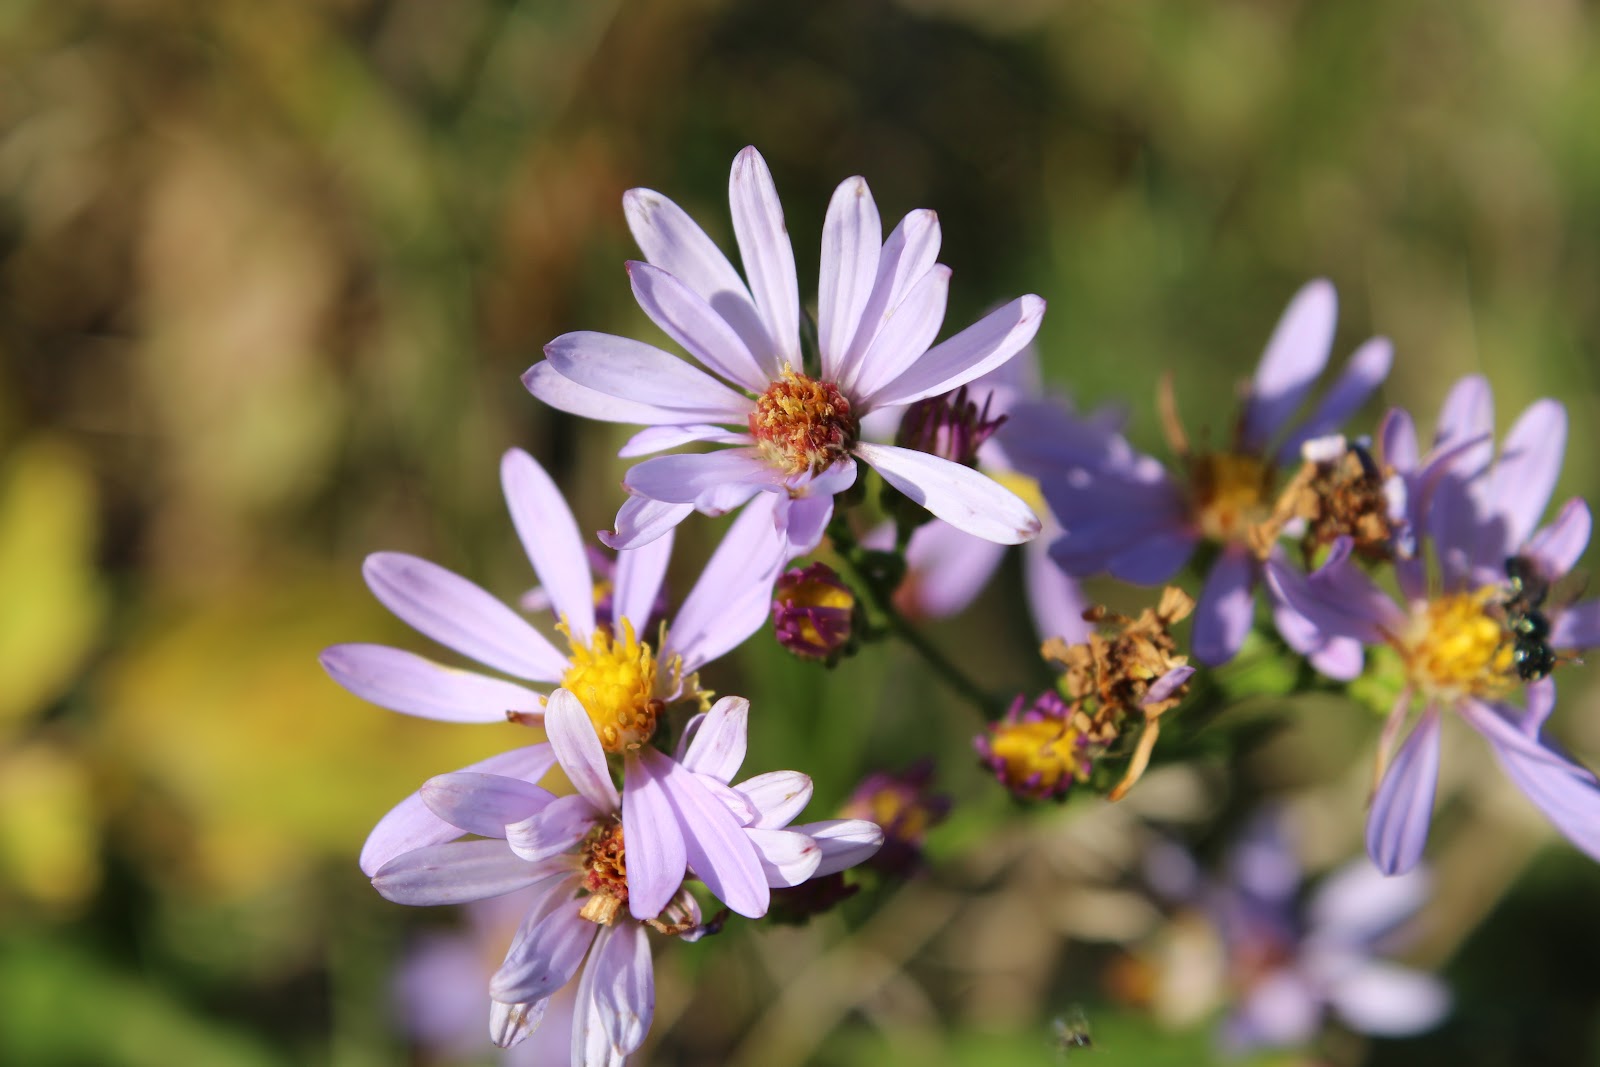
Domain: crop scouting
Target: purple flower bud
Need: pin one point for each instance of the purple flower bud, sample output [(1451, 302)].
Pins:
[(949, 426), (906, 807), (1041, 752), (813, 613)]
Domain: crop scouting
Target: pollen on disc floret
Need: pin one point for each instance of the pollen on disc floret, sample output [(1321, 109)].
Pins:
[(803, 425)]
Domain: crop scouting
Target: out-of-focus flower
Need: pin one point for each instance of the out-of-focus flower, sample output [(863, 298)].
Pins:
[(946, 568), (1463, 635), (814, 613), (623, 682), (605, 865), (880, 305), (1287, 963), (906, 806), (1132, 518)]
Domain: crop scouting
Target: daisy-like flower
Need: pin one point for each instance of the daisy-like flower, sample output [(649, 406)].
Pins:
[(623, 677), (1471, 637), (595, 885), (1293, 961), (1132, 518), (795, 434)]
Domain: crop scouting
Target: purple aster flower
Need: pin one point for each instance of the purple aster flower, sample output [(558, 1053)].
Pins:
[(880, 304), (815, 614), (602, 865), (1130, 517), (623, 678), (1291, 962), (1462, 634)]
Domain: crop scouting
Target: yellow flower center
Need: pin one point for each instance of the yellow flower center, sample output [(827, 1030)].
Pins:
[(1229, 493), (801, 424), (1050, 750), (1458, 646), (615, 681)]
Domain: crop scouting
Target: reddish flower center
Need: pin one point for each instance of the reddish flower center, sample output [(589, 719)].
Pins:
[(801, 424), (605, 873)]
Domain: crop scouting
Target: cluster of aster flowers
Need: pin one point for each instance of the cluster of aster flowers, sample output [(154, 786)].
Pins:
[(647, 830)]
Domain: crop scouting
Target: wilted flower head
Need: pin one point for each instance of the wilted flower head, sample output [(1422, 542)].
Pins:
[(795, 435), (814, 613), (906, 806)]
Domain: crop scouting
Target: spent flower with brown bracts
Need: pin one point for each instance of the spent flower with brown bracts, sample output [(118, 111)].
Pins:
[(1134, 672), (1340, 490)]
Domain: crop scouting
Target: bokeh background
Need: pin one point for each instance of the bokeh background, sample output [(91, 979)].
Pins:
[(269, 273)]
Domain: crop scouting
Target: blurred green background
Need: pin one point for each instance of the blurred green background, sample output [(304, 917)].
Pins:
[(269, 272)]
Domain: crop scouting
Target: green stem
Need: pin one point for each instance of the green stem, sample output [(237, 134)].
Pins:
[(881, 592)]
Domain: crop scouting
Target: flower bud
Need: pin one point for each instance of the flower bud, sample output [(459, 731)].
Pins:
[(948, 426), (906, 806), (814, 613)]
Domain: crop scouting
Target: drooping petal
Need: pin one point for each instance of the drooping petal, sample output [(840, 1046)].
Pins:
[(562, 393), (844, 842), (767, 254), (1169, 682), (673, 241), (692, 322), (556, 828), (714, 482), (511, 1024), (641, 520), (410, 825), (1523, 478), (639, 575), (1294, 358), (624, 987), (905, 337), (804, 511), (971, 353), (732, 597), (455, 612), (645, 375), (851, 240), (549, 536), (716, 847), (777, 796), (1227, 605), (967, 499), (1367, 369), (1558, 546), (1568, 794), (1339, 658), (577, 747), (591, 1033), (653, 439), (1386, 1000), (907, 255), (1397, 828), (656, 854), (546, 951), (456, 873), (482, 803), (405, 682), (1323, 606), (787, 857), (718, 747)]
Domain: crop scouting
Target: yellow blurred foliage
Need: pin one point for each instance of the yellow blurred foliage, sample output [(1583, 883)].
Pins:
[(54, 603), (49, 829), (239, 761)]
